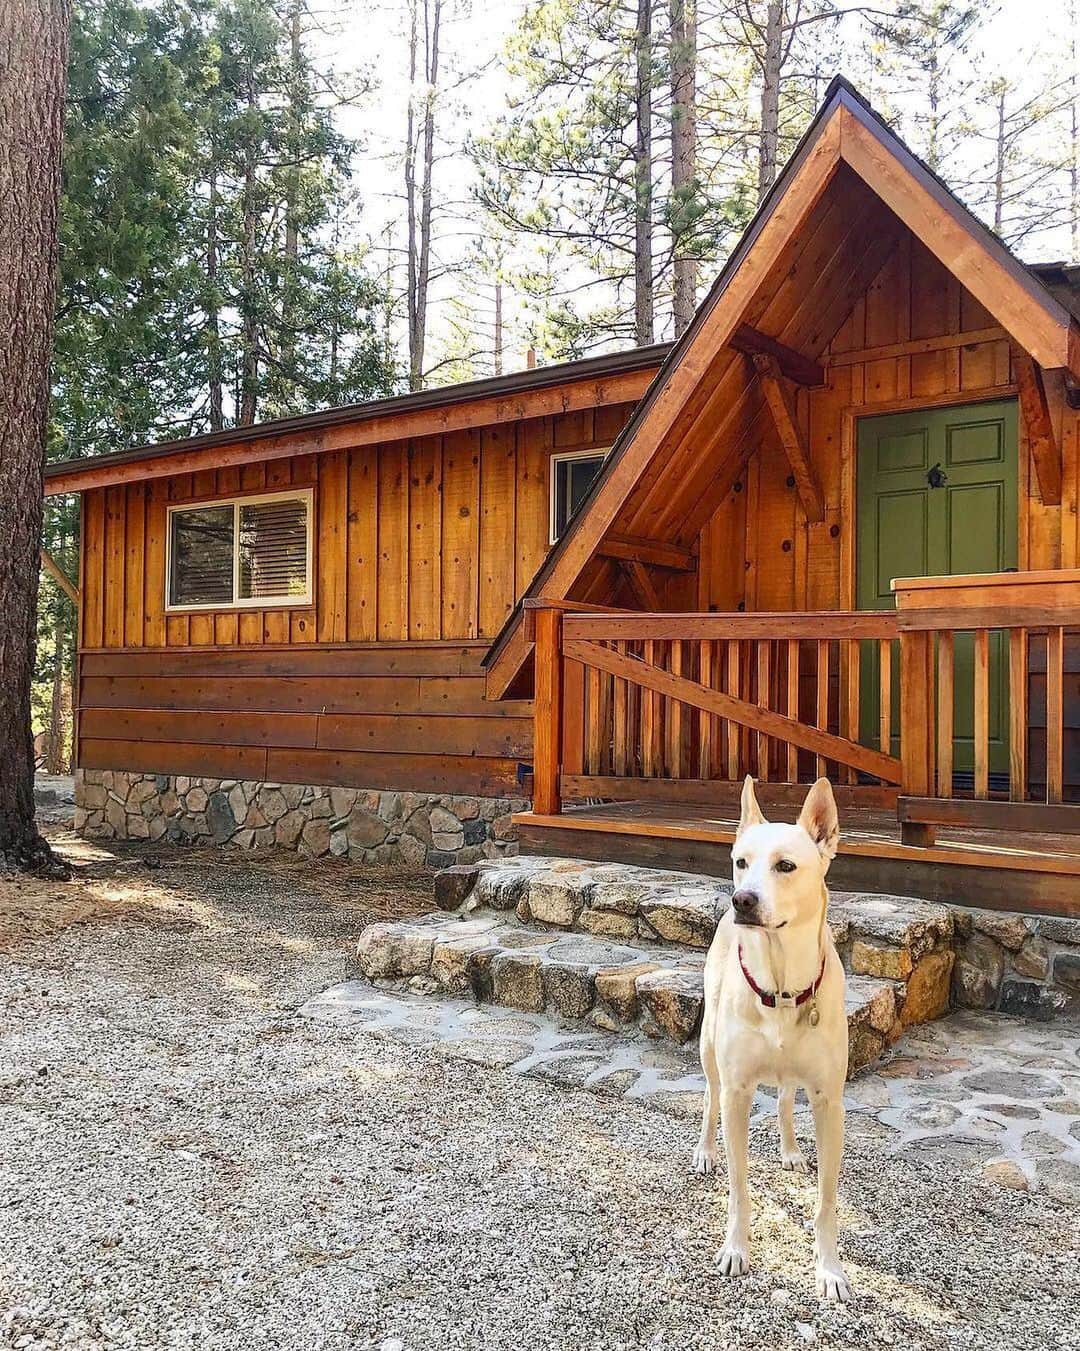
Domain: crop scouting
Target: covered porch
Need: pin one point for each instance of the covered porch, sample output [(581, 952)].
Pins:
[(963, 785)]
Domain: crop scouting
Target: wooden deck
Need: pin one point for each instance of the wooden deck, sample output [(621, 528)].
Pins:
[(986, 869)]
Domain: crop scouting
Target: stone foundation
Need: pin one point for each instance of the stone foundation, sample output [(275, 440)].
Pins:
[(1023, 964), (364, 825)]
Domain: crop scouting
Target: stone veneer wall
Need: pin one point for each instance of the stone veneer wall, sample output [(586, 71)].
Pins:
[(363, 825), (1023, 964)]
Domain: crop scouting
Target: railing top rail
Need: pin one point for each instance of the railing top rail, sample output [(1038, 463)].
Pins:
[(778, 625), (996, 600)]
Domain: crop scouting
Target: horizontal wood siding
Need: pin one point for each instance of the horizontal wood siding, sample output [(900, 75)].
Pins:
[(391, 716)]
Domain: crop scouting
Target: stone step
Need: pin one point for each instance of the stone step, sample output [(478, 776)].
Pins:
[(607, 983), (889, 937)]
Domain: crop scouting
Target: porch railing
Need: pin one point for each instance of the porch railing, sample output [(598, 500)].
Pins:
[(680, 706)]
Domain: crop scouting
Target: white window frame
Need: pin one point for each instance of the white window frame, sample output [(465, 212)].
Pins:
[(307, 495), (561, 456)]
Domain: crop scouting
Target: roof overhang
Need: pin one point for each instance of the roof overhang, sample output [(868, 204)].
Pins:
[(618, 377)]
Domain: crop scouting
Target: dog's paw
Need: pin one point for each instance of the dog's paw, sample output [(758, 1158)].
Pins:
[(704, 1160), (794, 1162), (733, 1260), (832, 1285)]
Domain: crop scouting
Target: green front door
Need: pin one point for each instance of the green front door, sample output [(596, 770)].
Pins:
[(937, 496)]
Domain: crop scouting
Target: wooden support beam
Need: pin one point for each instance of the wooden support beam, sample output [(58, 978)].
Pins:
[(641, 584), (1045, 450), (60, 577), (787, 428), (795, 365), (657, 553)]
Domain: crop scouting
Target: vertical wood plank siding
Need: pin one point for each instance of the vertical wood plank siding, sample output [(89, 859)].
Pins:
[(422, 548)]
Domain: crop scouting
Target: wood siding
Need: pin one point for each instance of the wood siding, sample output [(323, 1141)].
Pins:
[(422, 548)]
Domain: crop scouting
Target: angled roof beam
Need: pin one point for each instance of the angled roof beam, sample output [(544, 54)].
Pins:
[(796, 366), (1045, 450), (787, 429), (641, 584), (656, 552)]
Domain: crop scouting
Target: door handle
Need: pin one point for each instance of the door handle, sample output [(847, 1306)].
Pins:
[(937, 477)]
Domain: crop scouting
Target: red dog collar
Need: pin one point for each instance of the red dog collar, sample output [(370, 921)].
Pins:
[(771, 1000)]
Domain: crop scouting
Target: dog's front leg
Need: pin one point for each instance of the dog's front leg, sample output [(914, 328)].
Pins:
[(828, 1107), (791, 1156), (735, 1100)]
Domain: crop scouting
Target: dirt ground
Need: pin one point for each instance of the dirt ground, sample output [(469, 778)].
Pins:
[(187, 1162)]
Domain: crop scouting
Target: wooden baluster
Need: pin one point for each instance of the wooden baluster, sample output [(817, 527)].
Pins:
[(764, 648), (731, 730), (705, 739), (916, 727), (792, 769), (850, 654), (649, 722), (606, 682), (982, 713), (945, 703), (675, 716), (619, 732), (822, 711), (1055, 713), (1018, 714), (633, 725), (573, 733), (594, 729), (885, 706), (547, 714)]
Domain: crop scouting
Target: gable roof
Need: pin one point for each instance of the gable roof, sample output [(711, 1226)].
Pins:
[(499, 398), (702, 395)]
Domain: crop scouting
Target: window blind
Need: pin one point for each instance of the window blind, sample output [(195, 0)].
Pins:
[(273, 548)]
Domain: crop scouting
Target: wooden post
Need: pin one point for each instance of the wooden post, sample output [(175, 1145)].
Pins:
[(547, 713), (917, 727)]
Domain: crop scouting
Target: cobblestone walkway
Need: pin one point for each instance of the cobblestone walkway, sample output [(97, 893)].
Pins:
[(999, 1096)]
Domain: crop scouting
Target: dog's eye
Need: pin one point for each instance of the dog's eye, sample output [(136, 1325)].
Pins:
[(784, 865), (740, 863)]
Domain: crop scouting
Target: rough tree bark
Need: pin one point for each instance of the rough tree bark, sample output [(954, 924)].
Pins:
[(772, 60), (419, 221), (214, 371), (683, 156), (249, 306), (643, 178), (33, 77)]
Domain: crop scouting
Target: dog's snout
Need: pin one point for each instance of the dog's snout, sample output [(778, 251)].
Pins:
[(745, 902)]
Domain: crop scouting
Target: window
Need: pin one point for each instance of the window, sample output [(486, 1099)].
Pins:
[(571, 478), (253, 551)]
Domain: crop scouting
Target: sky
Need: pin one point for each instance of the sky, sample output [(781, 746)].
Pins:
[(361, 38)]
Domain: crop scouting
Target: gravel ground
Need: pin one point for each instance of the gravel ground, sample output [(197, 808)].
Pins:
[(188, 1164)]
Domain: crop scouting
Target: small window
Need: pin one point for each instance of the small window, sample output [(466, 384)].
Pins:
[(253, 551), (571, 478)]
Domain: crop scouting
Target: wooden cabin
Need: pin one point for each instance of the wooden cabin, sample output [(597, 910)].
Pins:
[(833, 530)]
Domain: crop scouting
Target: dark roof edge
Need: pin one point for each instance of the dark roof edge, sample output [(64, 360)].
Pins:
[(518, 382)]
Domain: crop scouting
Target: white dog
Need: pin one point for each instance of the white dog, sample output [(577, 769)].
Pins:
[(774, 1014)]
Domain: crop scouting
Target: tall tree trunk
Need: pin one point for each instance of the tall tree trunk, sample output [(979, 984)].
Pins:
[(1074, 129), (249, 309), (214, 371), (432, 35), (498, 327), (772, 60), (33, 76), (999, 164), (416, 356), (683, 157), (643, 178), (292, 203)]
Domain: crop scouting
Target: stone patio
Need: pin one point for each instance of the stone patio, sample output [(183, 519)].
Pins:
[(998, 1095)]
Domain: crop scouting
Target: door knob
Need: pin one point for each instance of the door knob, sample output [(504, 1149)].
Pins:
[(937, 477)]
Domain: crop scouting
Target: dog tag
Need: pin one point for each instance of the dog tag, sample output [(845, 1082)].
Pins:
[(814, 1017)]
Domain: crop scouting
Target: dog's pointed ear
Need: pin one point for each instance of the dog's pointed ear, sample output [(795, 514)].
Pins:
[(820, 820), (751, 812)]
